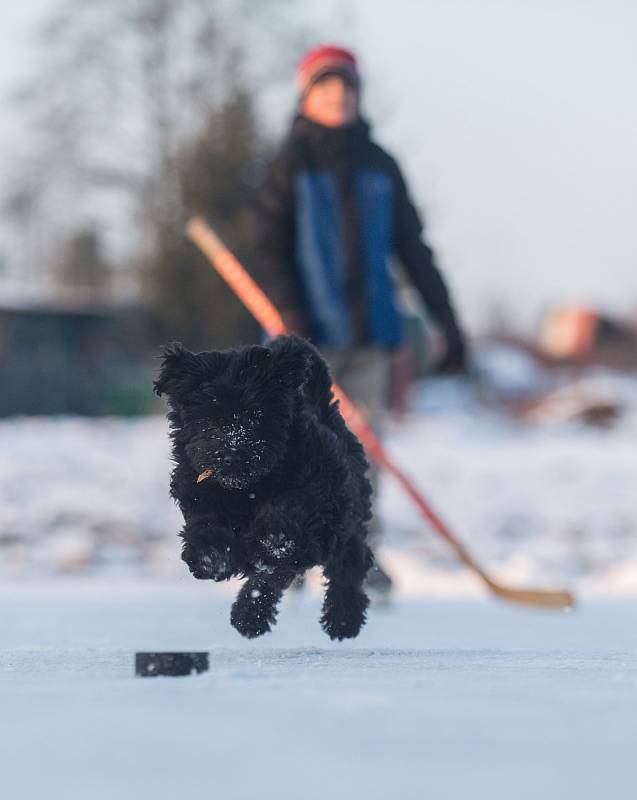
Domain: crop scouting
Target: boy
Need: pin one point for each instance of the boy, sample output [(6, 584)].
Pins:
[(332, 211)]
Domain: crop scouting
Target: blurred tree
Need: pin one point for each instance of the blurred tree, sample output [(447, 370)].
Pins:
[(140, 111), (215, 174), (22, 209), (83, 264)]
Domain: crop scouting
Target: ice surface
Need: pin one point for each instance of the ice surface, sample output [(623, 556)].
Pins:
[(435, 699)]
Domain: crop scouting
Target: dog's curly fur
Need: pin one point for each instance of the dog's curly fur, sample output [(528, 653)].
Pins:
[(287, 486)]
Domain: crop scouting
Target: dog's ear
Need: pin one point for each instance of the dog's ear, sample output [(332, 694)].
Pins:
[(291, 361), (180, 371), (252, 363), (259, 357)]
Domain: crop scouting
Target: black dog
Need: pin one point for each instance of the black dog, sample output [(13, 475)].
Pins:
[(269, 478)]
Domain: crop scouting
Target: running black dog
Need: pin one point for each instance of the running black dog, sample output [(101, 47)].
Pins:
[(269, 479)]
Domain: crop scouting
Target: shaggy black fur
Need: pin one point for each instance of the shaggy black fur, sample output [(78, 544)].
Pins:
[(287, 488)]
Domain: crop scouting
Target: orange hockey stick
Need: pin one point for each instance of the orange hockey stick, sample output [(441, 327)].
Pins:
[(271, 321)]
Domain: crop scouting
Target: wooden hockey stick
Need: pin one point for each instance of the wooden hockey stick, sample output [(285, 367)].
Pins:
[(258, 304)]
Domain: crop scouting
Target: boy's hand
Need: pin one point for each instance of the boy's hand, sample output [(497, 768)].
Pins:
[(454, 360)]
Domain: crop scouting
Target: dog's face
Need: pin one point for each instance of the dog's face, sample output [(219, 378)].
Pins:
[(232, 411)]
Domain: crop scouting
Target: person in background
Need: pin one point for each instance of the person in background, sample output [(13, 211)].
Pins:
[(331, 213)]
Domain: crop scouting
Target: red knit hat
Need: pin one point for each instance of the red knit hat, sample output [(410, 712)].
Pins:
[(322, 60)]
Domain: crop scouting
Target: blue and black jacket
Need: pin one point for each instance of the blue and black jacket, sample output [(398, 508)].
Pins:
[(332, 211)]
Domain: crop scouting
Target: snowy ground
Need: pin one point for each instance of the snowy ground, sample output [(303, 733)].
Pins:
[(440, 699), (551, 503)]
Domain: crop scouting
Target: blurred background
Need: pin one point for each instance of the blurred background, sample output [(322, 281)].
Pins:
[(514, 125)]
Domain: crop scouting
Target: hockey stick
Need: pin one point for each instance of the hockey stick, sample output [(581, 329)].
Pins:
[(257, 303)]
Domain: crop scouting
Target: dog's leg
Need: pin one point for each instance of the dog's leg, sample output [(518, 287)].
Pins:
[(345, 605), (276, 532), (255, 609), (209, 549), (285, 536)]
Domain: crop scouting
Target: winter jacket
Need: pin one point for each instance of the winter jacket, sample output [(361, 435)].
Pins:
[(332, 211)]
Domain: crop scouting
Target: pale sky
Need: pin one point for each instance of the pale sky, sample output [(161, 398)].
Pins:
[(516, 126)]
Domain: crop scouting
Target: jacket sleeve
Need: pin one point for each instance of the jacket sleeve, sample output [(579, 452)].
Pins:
[(274, 237), (416, 256)]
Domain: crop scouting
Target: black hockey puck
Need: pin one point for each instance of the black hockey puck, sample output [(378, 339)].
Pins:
[(149, 665)]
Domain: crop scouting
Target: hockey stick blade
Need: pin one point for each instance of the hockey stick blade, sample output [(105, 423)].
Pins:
[(542, 598)]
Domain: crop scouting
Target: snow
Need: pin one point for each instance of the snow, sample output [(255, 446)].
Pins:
[(549, 504), (441, 699)]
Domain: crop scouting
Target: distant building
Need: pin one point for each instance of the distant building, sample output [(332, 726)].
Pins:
[(73, 358)]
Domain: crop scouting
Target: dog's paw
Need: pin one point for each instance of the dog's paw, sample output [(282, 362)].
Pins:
[(278, 546), (209, 565), (344, 613), (253, 614)]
